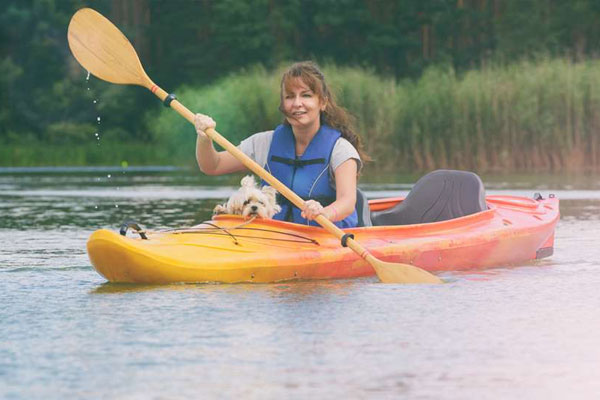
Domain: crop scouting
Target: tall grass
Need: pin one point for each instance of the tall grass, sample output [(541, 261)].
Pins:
[(539, 115), (241, 104), (107, 153)]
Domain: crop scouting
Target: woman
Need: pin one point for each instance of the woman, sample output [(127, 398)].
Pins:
[(314, 152)]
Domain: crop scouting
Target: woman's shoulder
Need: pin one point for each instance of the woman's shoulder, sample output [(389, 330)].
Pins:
[(259, 138), (344, 150), (262, 135), (257, 146), (344, 145)]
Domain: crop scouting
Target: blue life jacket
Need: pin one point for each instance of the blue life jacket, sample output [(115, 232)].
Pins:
[(307, 175)]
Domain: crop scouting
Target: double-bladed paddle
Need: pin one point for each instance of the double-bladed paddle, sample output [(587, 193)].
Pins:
[(104, 51)]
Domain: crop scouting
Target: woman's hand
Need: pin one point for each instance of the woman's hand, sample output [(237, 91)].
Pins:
[(312, 209), (202, 123)]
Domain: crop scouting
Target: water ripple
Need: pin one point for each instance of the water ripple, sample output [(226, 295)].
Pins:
[(523, 331)]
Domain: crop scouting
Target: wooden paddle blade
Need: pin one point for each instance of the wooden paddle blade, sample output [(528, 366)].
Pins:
[(103, 50), (402, 273)]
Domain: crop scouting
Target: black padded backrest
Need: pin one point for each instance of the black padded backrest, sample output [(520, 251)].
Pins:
[(362, 209), (437, 196)]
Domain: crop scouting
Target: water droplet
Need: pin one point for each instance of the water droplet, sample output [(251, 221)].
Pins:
[(108, 176), (96, 134), (98, 119), (87, 78), (116, 206), (96, 207), (95, 101)]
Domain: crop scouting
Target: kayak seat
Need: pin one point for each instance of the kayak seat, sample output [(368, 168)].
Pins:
[(362, 209), (438, 196)]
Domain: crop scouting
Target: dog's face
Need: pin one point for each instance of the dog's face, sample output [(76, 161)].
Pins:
[(250, 201)]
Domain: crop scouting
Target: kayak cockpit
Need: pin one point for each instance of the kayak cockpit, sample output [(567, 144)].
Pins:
[(438, 196)]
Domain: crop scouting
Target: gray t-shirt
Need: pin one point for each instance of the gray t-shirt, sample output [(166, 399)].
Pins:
[(257, 147)]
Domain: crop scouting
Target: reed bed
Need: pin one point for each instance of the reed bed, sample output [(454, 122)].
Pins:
[(541, 115), (106, 153)]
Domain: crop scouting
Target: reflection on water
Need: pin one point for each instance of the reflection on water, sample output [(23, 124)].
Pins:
[(585, 210), (88, 199), (88, 212), (524, 331), (297, 289)]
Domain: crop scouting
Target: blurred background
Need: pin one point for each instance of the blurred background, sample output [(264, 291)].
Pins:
[(486, 85)]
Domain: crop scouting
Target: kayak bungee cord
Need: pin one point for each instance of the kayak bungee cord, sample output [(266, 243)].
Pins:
[(235, 241), (215, 230), (226, 230)]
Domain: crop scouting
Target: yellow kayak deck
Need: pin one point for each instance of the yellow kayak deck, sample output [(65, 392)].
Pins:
[(230, 249)]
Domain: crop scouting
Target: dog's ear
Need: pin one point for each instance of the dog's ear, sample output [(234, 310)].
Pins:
[(248, 181), (271, 194), (269, 191)]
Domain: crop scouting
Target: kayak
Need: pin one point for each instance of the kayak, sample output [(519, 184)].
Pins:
[(229, 249)]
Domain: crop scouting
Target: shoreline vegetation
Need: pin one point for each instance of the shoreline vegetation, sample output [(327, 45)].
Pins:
[(539, 115)]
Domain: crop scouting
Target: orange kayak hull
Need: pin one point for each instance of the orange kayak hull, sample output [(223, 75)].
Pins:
[(229, 249)]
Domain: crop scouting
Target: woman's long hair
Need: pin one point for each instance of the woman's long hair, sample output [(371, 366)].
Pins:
[(334, 115)]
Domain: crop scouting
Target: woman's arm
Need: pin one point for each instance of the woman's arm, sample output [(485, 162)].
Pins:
[(209, 160)]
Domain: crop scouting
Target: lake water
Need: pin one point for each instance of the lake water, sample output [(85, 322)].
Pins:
[(529, 331)]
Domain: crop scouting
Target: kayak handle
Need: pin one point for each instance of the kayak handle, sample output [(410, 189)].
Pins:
[(134, 225)]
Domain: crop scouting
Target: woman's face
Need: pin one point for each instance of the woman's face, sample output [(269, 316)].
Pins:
[(302, 106)]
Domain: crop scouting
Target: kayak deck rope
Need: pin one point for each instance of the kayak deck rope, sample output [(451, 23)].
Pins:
[(215, 229), (235, 241)]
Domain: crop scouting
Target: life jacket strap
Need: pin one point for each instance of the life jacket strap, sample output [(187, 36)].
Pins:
[(296, 162)]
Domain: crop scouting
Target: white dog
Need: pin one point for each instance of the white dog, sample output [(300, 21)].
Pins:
[(250, 201)]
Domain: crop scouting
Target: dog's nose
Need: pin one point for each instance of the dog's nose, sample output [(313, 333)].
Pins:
[(254, 208)]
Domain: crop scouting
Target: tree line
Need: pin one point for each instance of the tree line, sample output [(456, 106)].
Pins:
[(45, 97)]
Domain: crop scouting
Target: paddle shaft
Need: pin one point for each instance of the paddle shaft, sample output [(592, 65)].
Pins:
[(260, 171)]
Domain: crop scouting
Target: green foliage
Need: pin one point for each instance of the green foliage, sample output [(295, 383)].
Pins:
[(241, 104), (448, 72), (69, 133), (524, 116), (105, 152)]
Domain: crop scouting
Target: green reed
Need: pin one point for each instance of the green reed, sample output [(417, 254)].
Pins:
[(241, 104), (107, 153), (529, 116)]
